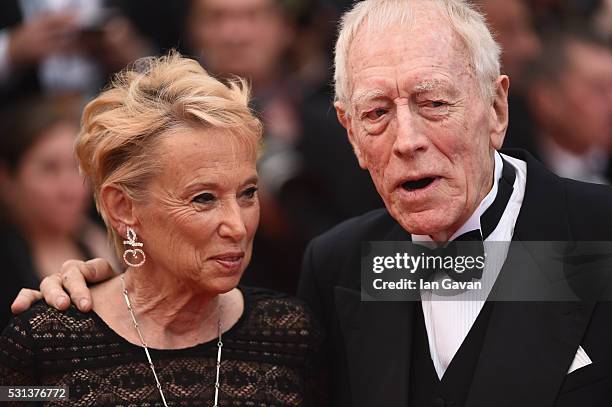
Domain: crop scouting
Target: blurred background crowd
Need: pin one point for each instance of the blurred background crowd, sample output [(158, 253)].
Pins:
[(55, 55)]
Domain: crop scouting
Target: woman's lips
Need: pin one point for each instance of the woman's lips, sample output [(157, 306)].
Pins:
[(229, 261)]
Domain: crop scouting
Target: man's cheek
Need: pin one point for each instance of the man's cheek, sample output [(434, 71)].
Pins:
[(378, 179), (372, 163)]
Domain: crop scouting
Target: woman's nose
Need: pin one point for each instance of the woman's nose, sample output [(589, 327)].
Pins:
[(232, 225)]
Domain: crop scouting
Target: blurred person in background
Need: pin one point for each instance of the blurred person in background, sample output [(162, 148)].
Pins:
[(602, 19), (43, 198), (570, 97), (512, 24), (63, 46), (561, 14), (249, 38)]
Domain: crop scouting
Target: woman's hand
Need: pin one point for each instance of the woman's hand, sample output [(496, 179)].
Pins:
[(71, 281)]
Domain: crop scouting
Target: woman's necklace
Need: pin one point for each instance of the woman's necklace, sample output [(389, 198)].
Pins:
[(146, 349)]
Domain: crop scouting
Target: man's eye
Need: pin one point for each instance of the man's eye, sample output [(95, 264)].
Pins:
[(376, 113), (435, 104), (204, 198)]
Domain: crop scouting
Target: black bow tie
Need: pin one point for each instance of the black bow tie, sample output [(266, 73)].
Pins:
[(451, 258), (470, 244)]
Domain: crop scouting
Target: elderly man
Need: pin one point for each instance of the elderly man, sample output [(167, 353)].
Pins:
[(420, 93)]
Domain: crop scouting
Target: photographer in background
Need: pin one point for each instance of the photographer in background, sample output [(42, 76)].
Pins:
[(63, 45)]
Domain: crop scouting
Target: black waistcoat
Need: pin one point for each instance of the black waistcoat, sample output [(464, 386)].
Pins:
[(426, 390)]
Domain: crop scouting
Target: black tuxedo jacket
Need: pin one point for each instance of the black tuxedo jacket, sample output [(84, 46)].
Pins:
[(528, 347)]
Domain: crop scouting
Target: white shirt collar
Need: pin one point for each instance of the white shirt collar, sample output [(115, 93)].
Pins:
[(473, 222), (449, 320)]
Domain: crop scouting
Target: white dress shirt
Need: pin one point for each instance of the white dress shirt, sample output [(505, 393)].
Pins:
[(448, 321)]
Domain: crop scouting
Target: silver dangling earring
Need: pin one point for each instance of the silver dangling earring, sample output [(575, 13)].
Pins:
[(134, 254)]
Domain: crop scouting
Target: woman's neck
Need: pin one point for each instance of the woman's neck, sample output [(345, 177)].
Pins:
[(172, 304), (170, 312)]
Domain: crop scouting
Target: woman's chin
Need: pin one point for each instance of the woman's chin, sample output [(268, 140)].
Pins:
[(221, 284)]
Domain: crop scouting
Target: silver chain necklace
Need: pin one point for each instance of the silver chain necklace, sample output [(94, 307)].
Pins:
[(146, 349)]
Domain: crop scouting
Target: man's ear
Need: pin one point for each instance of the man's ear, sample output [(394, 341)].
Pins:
[(119, 208), (346, 120), (499, 112)]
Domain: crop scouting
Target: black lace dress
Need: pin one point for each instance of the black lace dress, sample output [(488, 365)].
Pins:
[(270, 358)]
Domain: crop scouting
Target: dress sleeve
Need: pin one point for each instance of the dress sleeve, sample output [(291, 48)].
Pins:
[(17, 358), (17, 355)]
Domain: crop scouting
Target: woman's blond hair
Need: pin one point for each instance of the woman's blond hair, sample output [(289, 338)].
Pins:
[(122, 126)]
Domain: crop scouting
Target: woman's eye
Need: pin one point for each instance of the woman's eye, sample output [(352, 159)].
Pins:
[(204, 198), (376, 114), (250, 192)]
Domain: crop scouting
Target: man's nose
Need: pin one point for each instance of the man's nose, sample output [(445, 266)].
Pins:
[(232, 225), (408, 139)]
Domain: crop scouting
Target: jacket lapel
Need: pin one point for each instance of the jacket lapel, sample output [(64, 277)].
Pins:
[(527, 352), (378, 340), (387, 337), (529, 346)]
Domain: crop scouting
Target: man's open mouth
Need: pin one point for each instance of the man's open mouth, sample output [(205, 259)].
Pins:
[(418, 184)]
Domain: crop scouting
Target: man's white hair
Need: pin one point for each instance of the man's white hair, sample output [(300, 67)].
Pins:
[(463, 18)]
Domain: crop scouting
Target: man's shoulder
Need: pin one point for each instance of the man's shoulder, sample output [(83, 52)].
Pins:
[(588, 208), (586, 195), (340, 247), (373, 225), (556, 208), (333, 258)]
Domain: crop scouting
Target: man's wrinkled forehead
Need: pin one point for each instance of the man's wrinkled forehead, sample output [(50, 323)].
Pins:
[(441, 47), (426, 85)]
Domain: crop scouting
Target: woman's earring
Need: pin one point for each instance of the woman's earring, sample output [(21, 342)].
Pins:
[(133, 254)]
